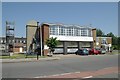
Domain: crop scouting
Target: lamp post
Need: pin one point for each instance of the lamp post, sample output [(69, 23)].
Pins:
[(40, 37), (38, 45), (41, 40)]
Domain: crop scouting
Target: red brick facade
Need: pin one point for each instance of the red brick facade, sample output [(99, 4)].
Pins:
[(45, 36), (94, 37)]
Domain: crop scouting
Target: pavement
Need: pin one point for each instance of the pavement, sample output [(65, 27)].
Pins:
[(54, 57), (28, 59)]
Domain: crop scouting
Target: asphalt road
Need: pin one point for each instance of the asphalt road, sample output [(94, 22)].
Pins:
[(64, 65)]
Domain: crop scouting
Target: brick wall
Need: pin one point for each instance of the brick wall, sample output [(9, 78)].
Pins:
[(17, 49), (94, 37), (109, 40), (45, 36)]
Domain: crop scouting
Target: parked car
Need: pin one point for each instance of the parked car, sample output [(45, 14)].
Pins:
[(94, 51), (82, 52), (103, 51)]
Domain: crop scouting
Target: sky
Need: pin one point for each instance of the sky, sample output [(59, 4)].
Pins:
[(102, 15)]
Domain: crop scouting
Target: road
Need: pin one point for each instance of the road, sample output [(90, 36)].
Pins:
[(71, 64)]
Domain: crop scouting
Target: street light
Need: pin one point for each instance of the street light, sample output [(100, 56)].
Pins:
[(41, 39)]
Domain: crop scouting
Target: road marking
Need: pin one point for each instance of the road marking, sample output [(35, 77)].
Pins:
[(88, 77), (77, 72), (65, 73), (40, 77), (56, 75)]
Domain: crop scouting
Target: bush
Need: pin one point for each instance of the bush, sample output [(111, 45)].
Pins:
[(116, 47)]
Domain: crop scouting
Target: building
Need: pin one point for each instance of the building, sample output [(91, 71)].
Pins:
[(71, 37), (19, 44), (104, 42)]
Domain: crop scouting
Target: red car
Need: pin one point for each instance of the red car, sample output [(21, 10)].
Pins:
[(94, 51)]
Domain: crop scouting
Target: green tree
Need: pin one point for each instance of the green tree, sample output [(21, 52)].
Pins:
[(114, 38), (99, 33), (110, 34), (118, 43), (52, 43)]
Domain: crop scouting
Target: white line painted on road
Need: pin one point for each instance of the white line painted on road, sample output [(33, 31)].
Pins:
[(65, 74), (88, 77), (77, 72), (56, 75), (40, 77)]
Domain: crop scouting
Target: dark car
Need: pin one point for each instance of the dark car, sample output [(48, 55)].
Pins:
[(82, 52), (94, 51)]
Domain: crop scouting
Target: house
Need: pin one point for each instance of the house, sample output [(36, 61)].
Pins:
[(18, 47)]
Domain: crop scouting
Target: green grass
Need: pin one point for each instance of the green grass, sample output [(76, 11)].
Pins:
[(20, 56), (115, 52)]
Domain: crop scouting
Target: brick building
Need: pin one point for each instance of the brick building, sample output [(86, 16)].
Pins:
[(19, 44), (71, 37)]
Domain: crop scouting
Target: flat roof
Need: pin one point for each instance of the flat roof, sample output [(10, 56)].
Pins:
[(70, 25)]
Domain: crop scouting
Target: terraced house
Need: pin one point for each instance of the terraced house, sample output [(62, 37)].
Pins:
[(71, 37)]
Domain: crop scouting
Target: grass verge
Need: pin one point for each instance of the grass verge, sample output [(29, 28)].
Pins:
[(115, 52), (20, 56)]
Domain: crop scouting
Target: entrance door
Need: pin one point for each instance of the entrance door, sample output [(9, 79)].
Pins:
[(20, 49)]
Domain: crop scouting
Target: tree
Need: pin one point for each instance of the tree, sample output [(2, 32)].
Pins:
[(114, 38), (110, 34), (118, 43), (99, 33), (52, 43)]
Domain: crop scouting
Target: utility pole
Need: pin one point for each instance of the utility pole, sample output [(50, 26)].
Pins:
[(38, 49), (41, 39)]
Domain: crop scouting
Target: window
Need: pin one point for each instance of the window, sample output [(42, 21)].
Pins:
[(89, 32), (76, 32), (60, 44), (85, 44), (69, 31), (15, 41), (104, 41), (97, 39), (72, 44), (9, 41), (61, 30), (83, 32), (1, 41), (4, 41), (20, 41), (24, 41), (53, 30)]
